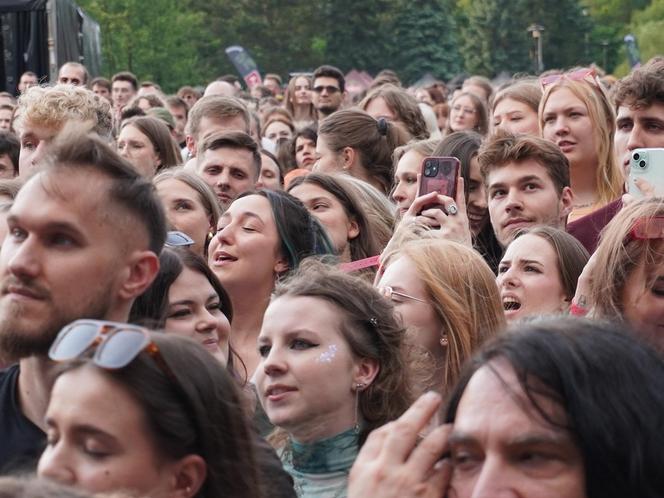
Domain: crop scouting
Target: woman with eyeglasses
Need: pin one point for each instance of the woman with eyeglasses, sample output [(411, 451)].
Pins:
[(624, 280), (446, 297), (333, 367), (467, 112), (261, 238), (352, 142), (145, 413), (577, 116)]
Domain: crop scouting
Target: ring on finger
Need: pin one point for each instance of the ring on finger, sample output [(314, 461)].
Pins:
[(452, 209)]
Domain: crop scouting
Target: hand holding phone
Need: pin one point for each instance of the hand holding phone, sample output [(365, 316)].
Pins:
[(646, 174), (439, 174)]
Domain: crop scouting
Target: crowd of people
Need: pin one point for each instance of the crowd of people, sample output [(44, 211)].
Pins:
[(248, 293)]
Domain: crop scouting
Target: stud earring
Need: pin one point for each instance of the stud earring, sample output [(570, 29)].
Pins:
[(444, 342)]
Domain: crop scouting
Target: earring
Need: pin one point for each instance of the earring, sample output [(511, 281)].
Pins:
[(358, 387), (444, 342)]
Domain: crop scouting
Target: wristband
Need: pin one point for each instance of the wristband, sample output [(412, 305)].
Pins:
[(577, 310)]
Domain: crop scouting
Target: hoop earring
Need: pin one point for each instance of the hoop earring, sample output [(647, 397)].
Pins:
[(358, 387)]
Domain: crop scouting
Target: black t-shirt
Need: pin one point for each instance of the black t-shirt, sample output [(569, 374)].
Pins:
[(21, 441)]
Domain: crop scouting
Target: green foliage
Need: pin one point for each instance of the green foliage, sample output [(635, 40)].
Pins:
[(177, 42), (427, 35), (497, 37), (157, 40)]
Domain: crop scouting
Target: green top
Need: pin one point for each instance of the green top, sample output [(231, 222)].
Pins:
[(320, 469)]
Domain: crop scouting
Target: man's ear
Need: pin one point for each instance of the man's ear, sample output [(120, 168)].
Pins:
[(141, 270), (566, 202), (188, 476)]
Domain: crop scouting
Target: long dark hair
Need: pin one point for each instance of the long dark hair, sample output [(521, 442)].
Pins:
[(197, 409), (300, 234), (150, 309), (464, 145), (609, 386)]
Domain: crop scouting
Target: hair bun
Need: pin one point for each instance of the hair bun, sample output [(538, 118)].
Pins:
[(382, 126)]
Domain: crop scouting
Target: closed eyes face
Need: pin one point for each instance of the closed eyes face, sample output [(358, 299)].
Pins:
[(92, 451), (515, 117)]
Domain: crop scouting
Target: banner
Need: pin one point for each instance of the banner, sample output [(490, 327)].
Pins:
[(245, 65)]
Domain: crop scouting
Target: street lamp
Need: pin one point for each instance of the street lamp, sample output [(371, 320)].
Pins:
[(536, 31)]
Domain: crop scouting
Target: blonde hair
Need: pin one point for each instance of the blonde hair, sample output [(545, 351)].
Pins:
[(608, 174), (618, 255), (462, 290), (53, 106)]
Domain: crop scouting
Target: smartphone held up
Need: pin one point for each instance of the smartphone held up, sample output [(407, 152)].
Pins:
[(439, 174)]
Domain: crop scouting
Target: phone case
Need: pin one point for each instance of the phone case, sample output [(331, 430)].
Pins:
[(647, 164), (439, 174)]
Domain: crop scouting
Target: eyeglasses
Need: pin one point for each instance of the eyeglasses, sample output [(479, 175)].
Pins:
[(116, 344), (586, 74), (389, 293), (466, 110), (328, 89), (647, 229), (178, 239)]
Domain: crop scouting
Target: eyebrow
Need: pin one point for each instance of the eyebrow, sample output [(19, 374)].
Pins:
[(246, 214), (530, 262), (85, 429), (462, 438), (289, 334), (52, 225)]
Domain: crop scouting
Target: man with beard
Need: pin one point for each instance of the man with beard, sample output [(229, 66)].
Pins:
[(84, 234), (329, 90)]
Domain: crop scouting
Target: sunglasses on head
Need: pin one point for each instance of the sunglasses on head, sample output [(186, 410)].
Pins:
[(178, 239), (116, 344), (585, 74), (650, 228)]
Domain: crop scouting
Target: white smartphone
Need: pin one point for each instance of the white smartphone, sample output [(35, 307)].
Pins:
[(647, 165)]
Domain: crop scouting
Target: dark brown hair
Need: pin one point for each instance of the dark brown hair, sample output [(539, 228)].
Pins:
[(503, 148)]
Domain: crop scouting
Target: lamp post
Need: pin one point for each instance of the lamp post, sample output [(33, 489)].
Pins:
[(536, 31)]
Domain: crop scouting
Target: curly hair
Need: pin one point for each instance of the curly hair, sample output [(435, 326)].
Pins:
[(53, 106)]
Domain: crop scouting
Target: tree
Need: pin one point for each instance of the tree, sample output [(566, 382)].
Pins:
[(157, 40), (426, 40), (497, 37)]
